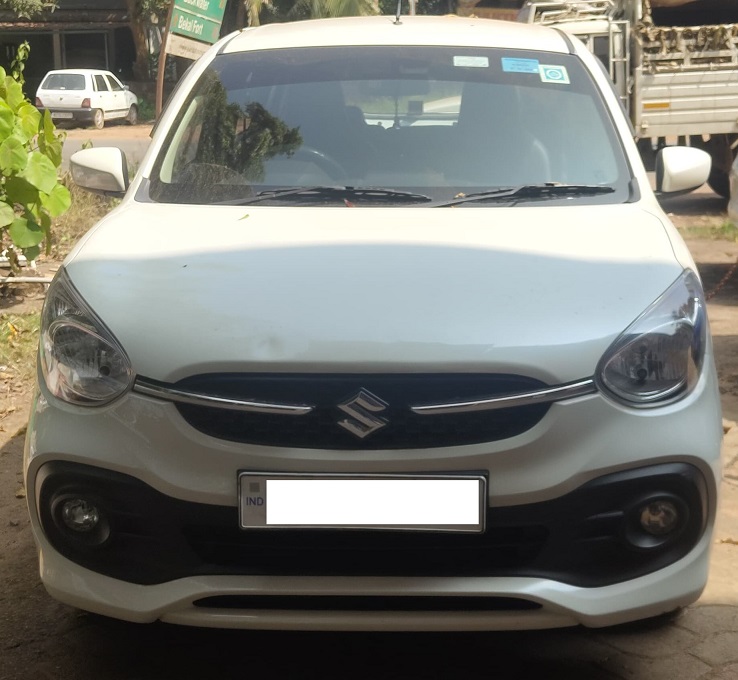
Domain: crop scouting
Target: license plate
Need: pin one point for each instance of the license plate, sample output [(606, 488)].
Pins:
[(61, 114), (453, 503)]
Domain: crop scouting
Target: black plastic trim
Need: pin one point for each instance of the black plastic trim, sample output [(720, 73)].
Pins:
[(584, 538)]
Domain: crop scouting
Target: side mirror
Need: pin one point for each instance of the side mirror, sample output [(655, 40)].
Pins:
[(680, 169), (103, 170)]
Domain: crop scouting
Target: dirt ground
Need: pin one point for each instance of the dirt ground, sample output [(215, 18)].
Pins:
[(112, 130), (33, 626)]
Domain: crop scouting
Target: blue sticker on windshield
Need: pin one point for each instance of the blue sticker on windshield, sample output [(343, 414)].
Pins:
[(511, 65), (554, 74)]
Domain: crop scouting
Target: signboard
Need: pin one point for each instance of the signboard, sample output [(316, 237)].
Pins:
[(194, 24), (192, 27), (180, 46), (207, 9)]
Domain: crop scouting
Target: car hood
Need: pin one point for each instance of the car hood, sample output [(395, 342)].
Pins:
[(540, 291)]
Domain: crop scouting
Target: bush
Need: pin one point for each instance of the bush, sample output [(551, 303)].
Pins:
[(30, 156)]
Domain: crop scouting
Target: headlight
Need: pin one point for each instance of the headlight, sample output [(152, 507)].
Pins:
[(81, 362), (659, 356)]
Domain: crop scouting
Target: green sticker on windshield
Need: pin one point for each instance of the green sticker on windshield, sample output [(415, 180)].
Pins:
[(554, 74)]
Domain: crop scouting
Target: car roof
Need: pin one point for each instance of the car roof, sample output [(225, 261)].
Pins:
[(450, 30), (80, 71)]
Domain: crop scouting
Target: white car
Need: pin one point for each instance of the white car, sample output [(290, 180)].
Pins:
[(86, 96), (389, 332)]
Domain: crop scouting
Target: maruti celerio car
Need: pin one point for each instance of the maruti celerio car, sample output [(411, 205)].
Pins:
[(388, 332)]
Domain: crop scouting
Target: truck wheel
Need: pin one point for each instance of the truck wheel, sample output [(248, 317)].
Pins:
[(98, 119), (719, 182), (720, 148), (132, 117)]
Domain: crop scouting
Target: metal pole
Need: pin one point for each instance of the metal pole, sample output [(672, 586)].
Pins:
[(25, 279), (163, 62)]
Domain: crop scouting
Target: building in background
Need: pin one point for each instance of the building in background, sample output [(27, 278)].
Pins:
[(79, 33)]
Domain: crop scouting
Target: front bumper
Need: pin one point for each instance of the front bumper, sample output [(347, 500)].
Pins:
[(556, 551), (590, 537)]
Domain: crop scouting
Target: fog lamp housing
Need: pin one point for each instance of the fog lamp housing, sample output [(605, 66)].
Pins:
[(81, 518), (660, 518), (656, 520)]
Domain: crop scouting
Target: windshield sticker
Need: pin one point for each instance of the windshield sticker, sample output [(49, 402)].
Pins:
[(554, 74), (472, 62), (511, 65)]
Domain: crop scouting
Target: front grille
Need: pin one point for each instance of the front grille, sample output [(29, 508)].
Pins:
[(580, 538), (320, 429)]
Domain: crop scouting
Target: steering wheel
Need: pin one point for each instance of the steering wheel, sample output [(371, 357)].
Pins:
[(329, 165)]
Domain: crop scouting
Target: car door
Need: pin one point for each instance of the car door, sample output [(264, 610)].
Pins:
[(118, 106), (103, 95)]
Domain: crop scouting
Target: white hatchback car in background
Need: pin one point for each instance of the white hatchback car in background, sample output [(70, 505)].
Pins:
[(86, 96), (388, 332)]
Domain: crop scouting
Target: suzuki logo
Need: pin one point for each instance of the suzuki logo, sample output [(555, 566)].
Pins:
[(361, 409)]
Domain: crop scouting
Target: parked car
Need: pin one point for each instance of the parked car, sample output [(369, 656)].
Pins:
[(389, 331), (86, 96)]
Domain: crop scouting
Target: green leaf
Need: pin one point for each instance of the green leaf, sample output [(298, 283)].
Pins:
[(7, 120), (49, 126), (53, 150), (30, 118), (24, 233), (31, 253), (57, 202), (13, 155), (7, 214), (18, 190), (40, 172), (13, 93)]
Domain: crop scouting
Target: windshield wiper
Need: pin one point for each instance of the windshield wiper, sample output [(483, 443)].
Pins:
[(321, 193), (534, 191)]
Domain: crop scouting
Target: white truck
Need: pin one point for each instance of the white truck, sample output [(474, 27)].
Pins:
[(674, 64)]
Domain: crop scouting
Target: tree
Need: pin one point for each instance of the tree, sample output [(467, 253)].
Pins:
[(27, 8), (320, 9), (294, 10), (145, 15)]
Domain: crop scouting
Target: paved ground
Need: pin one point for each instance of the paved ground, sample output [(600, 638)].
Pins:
[(133, 139)]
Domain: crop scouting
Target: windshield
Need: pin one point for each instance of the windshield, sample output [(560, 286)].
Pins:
[(64, 81), (434, 121)]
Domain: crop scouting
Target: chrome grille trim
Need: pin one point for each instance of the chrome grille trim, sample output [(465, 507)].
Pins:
[(548, 395), (142, 386), (576, 389)]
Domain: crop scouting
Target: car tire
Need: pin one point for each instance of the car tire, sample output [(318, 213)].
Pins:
[(132, 117), (98, 119), (720, 148)]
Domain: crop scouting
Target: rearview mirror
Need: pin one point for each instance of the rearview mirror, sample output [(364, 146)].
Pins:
[(103, 170), (680, 169)]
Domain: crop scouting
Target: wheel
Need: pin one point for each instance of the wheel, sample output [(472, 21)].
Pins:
[(720, 148), (98, 119), (132, 117), (719, 182)]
